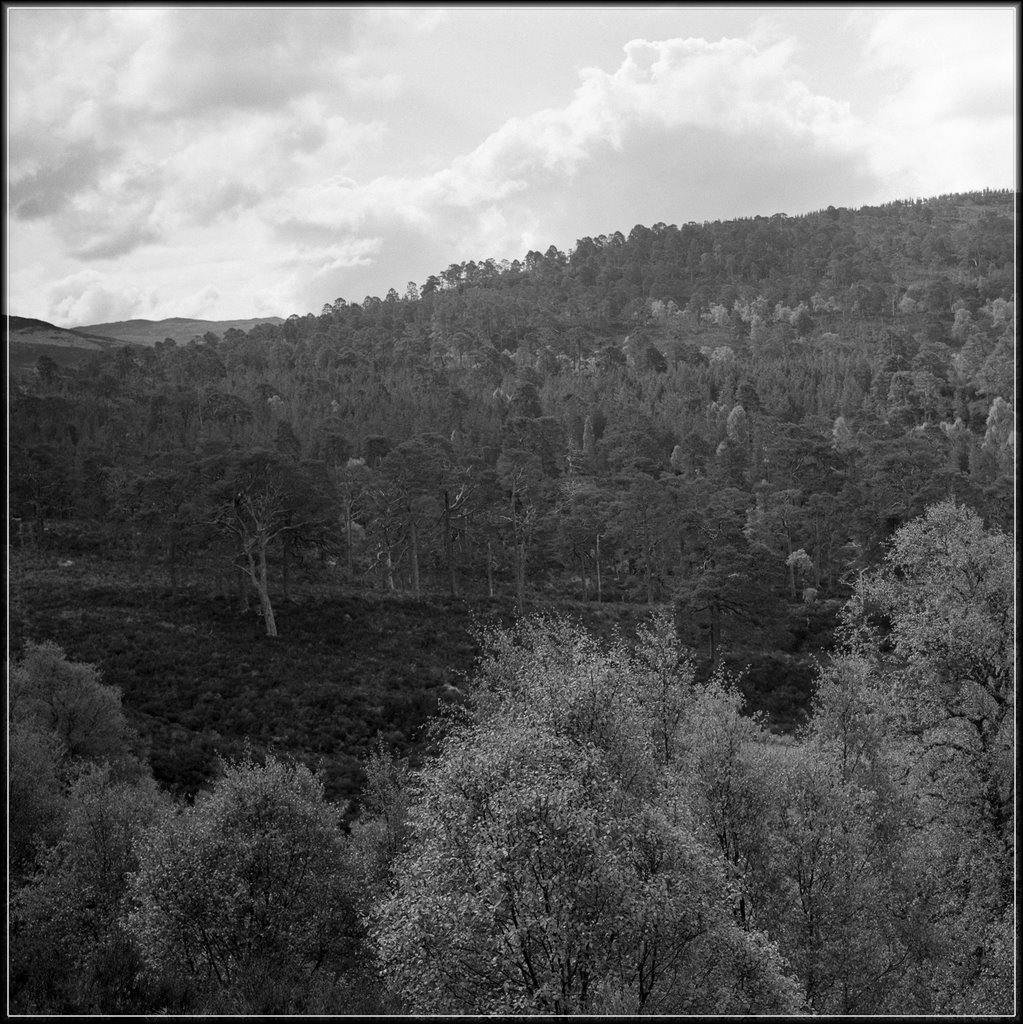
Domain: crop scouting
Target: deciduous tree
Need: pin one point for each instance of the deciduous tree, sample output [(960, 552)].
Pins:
[(246, 891), (549, 872), (257, 498)]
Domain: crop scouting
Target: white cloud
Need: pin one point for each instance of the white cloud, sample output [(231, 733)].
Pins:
[(265, 166), (729, 87), (147, 119), (191, 61), (90, 298), (948, 120), (321, 259), (246, 157), (414, 20), (202, 304)]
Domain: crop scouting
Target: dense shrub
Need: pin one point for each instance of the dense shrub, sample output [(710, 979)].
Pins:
[(551, 867), (246, 893)]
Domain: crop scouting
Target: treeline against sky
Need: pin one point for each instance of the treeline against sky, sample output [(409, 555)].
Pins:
[(732, 417)]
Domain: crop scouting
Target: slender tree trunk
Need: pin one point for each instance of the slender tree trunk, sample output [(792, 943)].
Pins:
[(490, 569), (244, 579), (818, 550), (520, 577), (600, 595), (715, 634), (349, 557), (413, 550), (264, 595), (172, 567), (449, 552)]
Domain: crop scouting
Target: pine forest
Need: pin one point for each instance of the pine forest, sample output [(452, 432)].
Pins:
[(627, 630)]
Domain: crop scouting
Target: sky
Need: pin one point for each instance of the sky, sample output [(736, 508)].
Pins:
[(235, 162)]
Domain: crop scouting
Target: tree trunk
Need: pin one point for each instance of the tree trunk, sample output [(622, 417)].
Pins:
[(715, 634), (172, 567), (264, 595), (520, 577), (413, 552), (449, 552), (818, 550), (790, 566), (600, 595), (244, 578), (350, 558), (490, 569)]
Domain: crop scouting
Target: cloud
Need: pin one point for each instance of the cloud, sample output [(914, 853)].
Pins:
[(201, 305), (222, 196), (947, 121), (410, 20), (90, 298), (127, 124), (305, 276), (121, 212), (256, 58), (46, 187), (319, 259), (731, 98), (116, 242), (729, 87), (271, 159), (684, 180)]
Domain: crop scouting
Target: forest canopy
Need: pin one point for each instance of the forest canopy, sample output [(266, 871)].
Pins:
[(621, 630), (599, 830)]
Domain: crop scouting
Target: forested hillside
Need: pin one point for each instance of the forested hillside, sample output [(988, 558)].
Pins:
[(730, 417), (765, 465)]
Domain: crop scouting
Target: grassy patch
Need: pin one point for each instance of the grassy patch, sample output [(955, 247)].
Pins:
[(201, 679)]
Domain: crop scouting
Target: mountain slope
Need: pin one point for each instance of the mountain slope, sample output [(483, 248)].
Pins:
[(181, 329), (29, 331), (28, 339)]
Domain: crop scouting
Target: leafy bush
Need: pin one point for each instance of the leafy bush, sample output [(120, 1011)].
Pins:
[(246, 893), (69, 951), (551, 866)]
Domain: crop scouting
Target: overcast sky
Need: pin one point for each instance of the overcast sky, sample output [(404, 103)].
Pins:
[(227, 163)]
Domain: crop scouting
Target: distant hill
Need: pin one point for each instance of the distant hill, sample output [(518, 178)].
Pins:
[(181, 329), (38, 332), (28, 339)]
